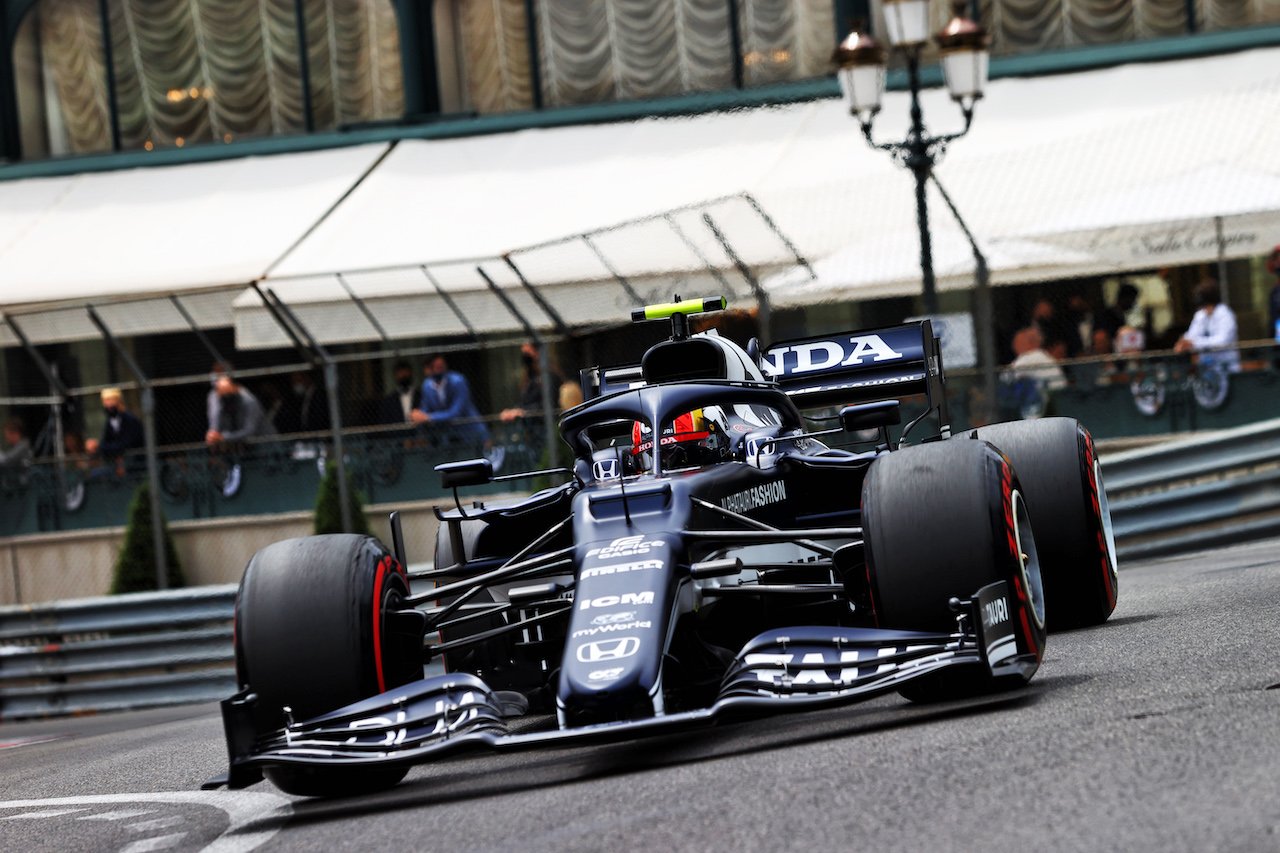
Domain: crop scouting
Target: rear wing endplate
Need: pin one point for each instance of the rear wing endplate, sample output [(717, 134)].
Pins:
[(861, 367)]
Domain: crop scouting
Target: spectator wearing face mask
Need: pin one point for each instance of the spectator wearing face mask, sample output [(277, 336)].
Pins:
[(240, 415), (122, 432), (1213, 326), (310, 403), (446, 402), (398, 406), (531, 403)]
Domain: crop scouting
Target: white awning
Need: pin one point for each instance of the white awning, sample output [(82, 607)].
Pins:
[(1061, 176), (112, 235), (1094, 173)]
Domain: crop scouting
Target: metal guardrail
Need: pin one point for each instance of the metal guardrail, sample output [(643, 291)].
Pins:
[(117, 652), (1199, 492)]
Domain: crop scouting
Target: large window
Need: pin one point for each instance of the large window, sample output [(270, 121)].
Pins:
[(592, 51), (179, 72)]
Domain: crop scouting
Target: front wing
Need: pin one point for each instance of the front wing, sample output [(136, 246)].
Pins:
[(777, 672)]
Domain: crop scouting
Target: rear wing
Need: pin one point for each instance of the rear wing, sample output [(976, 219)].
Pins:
[(861, 367)]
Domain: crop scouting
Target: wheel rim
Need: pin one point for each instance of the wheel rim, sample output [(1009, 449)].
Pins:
[(1028, 558), (1104, 510)]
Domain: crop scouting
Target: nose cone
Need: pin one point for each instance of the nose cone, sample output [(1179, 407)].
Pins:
[(618, 630)]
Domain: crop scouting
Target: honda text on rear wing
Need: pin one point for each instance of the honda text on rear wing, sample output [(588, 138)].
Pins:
[(861, 367)]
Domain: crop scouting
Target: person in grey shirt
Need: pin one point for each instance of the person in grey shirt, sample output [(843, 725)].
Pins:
[(239, 416)]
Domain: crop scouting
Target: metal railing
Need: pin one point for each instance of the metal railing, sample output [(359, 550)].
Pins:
[(115, 653), (1199, 492)]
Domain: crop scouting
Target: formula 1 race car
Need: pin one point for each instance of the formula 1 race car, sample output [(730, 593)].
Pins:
[(710, 557)]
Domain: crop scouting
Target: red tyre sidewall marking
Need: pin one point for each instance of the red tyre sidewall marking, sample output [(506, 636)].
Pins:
[(1096, 514), (1010, 526), (1006, 499), (379, 574), (871, 596), (1028, 637)]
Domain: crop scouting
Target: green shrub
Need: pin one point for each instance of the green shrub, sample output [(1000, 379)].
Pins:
[(329, 507), (135, 569)]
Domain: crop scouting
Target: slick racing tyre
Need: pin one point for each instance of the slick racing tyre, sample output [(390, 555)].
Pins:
[(943, 520), (1062, 482), (313, 633)]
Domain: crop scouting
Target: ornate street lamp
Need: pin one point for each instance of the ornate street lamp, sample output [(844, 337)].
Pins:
[(862, 64)]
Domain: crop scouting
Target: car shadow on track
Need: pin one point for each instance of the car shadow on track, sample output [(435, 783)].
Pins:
[(474, 777), (1111, 623)]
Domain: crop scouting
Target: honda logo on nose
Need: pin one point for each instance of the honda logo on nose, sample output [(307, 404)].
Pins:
[(601, 650), (605, 469)]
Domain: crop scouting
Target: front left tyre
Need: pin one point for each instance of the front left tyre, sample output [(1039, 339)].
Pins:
[(314, 632)]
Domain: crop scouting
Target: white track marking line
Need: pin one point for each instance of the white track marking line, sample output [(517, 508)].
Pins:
[(42, 814), (32, 741), (160, 842), (117, 815), (242, 807), (155, 823)]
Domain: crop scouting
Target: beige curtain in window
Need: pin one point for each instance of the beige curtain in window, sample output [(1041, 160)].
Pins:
[(604, 50), (495, 55), (201, 70), (74, 70), (786, 39), (1025, 26)]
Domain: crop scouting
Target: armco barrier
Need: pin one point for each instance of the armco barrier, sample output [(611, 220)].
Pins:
[(117, 652), (1200, 492)]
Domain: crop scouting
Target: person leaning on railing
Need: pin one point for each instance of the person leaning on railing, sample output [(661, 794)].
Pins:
[(1212, 327), (449, 414), (121, 433), (240, 417)]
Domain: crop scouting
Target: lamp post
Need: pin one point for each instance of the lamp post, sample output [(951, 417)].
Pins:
[(862, 64)]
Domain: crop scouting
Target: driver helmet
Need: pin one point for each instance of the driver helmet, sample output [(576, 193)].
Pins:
[(694, 438)]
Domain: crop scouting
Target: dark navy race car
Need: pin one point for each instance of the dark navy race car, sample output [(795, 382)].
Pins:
[(710, 557)]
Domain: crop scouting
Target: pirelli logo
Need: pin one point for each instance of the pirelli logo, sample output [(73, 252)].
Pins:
[(755, 497)]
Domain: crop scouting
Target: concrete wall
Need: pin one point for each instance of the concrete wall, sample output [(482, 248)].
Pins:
[(52, 566)]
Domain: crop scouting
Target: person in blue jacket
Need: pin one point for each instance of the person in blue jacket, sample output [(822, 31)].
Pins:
[(447, 403)]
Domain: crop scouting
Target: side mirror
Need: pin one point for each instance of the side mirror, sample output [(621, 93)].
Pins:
[(870, 415), (472, 472), (607, 433)]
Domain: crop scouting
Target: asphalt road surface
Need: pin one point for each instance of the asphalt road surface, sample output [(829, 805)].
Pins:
[(1159, 731)]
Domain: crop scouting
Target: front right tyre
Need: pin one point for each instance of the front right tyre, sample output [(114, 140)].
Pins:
[(943, 520)]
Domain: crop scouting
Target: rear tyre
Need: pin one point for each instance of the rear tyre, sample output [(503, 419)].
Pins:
[(312, 634), (1062, 482), (944, 520)]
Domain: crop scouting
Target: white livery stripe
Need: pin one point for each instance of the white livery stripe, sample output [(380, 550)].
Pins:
[(1003, 648)]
